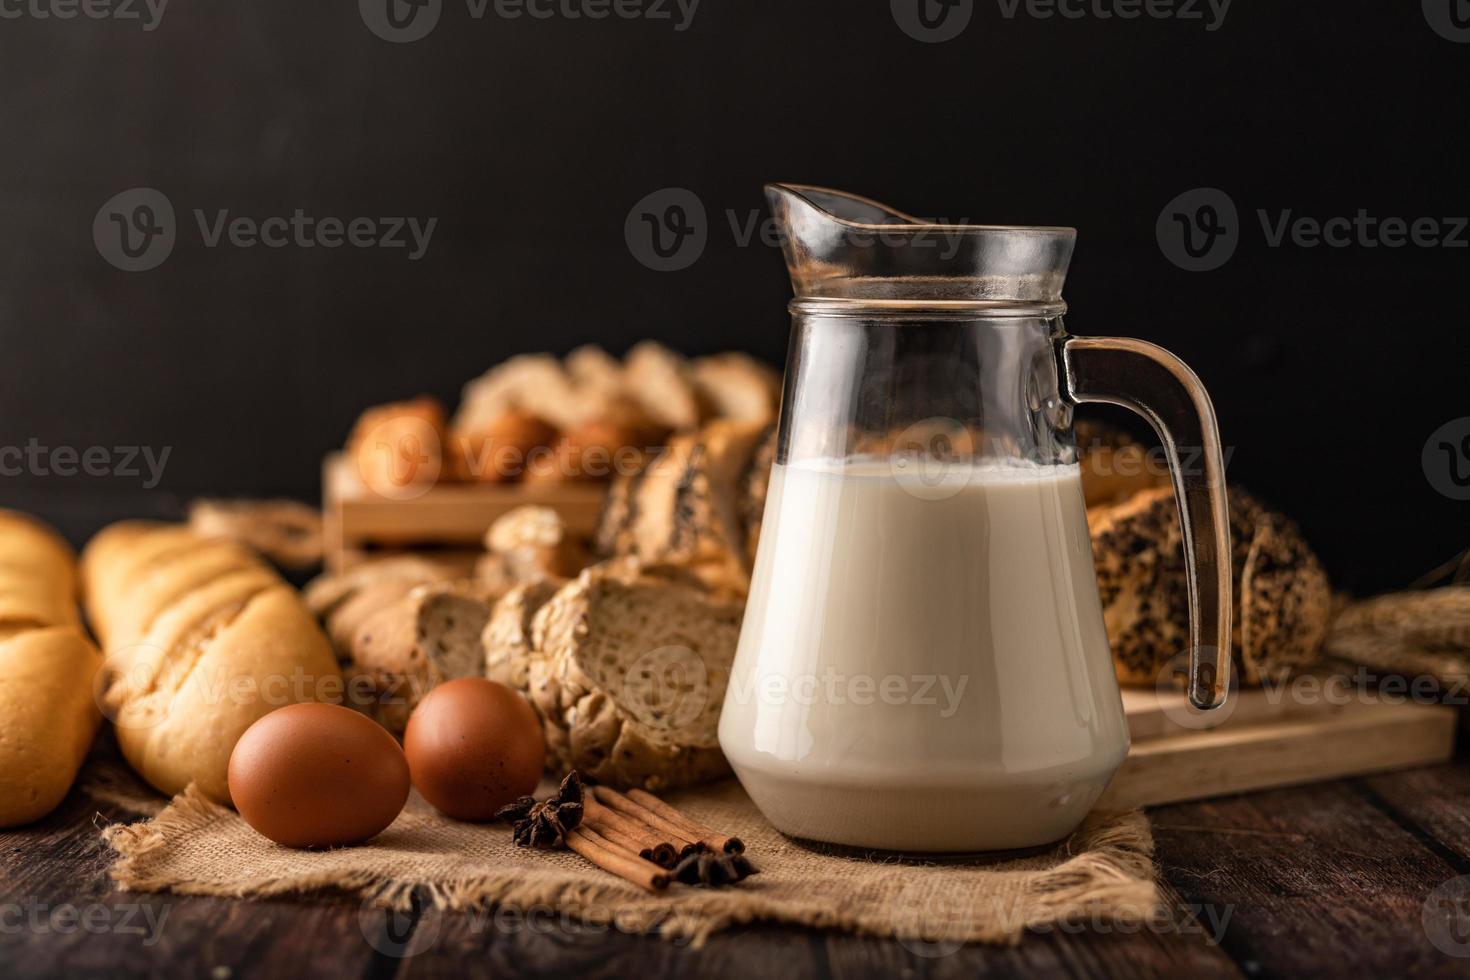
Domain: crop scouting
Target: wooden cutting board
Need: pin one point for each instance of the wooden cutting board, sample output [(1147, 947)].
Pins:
[(1266, 738)]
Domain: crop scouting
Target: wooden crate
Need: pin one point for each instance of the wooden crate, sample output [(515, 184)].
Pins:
[(449, 516), (1267, 740)]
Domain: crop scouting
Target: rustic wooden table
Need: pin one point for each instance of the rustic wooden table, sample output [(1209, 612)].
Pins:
[(1330, 879)]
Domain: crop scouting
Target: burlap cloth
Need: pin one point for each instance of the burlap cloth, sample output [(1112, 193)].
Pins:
[(1103, 873)]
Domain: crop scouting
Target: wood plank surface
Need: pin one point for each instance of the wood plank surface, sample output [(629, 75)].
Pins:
[(1322, 880), (1318, 880)]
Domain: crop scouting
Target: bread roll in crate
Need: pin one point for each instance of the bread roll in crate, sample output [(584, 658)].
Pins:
[(536, 429)]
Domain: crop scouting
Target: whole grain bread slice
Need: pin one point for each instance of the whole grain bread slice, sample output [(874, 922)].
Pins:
[(409, 647), (629, 672)]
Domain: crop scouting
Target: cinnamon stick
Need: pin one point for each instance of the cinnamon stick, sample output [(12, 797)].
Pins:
[(616, 859), (714, 840), (649, 843), (632, 809), (663, 854)]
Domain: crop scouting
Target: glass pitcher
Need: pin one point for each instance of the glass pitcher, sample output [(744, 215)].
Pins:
[(923, 664)]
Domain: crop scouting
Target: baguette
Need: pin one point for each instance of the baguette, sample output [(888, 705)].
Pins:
[(47, 666), (203, 639)]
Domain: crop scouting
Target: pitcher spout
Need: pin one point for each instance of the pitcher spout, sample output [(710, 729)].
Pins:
[(843, 247)]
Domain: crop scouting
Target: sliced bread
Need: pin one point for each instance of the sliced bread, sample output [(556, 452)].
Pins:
[(628, 672)]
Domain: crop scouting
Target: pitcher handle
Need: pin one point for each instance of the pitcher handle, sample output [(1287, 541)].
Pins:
[(1159, 386)]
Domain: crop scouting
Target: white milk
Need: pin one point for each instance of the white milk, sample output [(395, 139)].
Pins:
[(923, 664)]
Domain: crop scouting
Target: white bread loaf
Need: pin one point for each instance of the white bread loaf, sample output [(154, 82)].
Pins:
[(202, 639), (47, 667)]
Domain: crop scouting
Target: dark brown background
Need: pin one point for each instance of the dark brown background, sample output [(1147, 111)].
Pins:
[(530, 140)]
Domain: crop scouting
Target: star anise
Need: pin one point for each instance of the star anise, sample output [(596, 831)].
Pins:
[(705, 867), (545, 824)]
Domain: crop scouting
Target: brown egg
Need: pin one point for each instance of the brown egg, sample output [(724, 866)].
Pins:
[(473, 746), (318, 775)]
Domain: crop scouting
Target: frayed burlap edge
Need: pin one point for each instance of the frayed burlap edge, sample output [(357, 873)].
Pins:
[(1110, 875)]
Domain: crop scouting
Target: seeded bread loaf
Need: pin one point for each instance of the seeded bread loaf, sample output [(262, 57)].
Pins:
[(48, 715), (1282, 597), (752, 489), (628, 672), (686, 508), (202, 639)]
